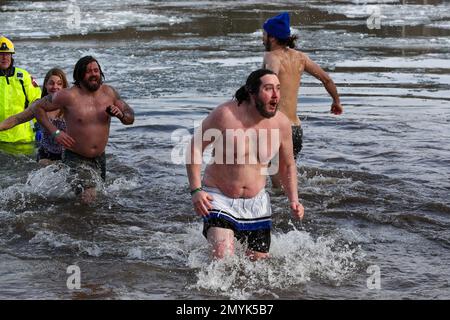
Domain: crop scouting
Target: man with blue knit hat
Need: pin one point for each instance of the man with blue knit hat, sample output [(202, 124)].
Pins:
[(289, 64), (278, 26)]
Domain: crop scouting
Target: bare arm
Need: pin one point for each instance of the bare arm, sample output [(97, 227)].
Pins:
[(17, 119), (316, 71), (194, 162), (122, 110), (288, 171), (200, 199), (42, 106)]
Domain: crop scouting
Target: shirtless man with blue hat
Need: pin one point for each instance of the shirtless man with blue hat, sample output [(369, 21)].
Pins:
[(289, 64)]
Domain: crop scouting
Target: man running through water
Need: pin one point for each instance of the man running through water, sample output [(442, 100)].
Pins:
[(248, 131), (88, 107), (289, 64)]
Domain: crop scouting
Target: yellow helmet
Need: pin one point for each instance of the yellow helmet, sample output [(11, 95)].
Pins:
[(6, 45)]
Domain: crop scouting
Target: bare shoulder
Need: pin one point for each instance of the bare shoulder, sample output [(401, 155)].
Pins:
[(282, 120), (298, 55), (221, 114), (64, 96), (65, 92), (270, 57), (303, 56), (110, 91), (224, 110)]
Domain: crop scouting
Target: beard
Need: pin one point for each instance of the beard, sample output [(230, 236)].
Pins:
[(92, 86), (262, 111)]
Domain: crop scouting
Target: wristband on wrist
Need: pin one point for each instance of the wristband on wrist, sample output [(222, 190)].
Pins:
[(196, 190), (56, 133)]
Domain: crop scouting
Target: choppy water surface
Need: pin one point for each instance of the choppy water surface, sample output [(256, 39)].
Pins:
[(374, 181)]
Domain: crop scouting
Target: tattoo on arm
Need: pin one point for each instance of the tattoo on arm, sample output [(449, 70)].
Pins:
[(127, 111), (25, 116)]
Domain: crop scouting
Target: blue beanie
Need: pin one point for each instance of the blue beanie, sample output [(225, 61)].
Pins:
[(278, 26)]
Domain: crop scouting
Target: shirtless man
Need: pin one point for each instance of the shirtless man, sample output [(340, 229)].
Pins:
[(88, 107), (289, 64), (232, 199)]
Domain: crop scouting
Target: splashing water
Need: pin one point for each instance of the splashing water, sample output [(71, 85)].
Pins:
[(46, 183), (295, 259)]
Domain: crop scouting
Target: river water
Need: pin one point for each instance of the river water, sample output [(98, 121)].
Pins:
[(375, 182)]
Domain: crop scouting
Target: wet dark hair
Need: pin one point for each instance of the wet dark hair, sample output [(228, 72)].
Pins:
[(289, 42), (251, 86), (80, 69)]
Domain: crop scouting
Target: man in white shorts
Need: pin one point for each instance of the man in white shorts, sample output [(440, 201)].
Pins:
[(246, 132)]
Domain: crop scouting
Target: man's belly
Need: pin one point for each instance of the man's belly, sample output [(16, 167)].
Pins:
[(243, 181)]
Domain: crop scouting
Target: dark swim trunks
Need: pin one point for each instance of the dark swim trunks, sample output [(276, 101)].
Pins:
[(297, 140), (256, 240), (249, 218), (85, 171), (44, 154)]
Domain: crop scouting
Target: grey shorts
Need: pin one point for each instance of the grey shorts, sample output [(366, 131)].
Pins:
[(85, 172)]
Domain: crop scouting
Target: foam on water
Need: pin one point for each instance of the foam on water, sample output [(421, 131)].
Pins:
[(123, 184), (296, 258), (390, 13), (51, 19), (397, 62), (48, 183), (52, 182), (232, 62), (169, 248), (441, 25), (52, 240)]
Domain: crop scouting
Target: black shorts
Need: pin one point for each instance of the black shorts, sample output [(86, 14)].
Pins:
[(297, 140), (84, 171), (44, 154), (256, 240)]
